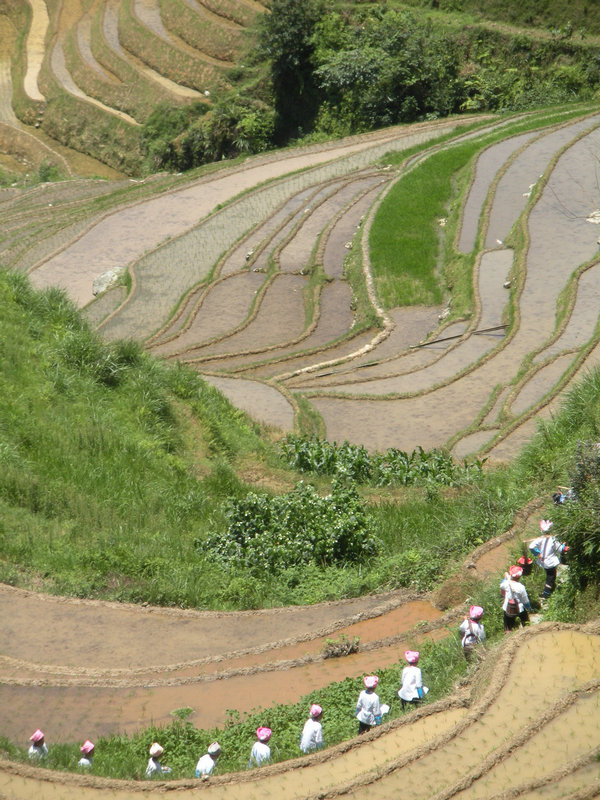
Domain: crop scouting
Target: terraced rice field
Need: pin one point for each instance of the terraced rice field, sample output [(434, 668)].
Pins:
[(467, 746), (110, 60), (223, 277)]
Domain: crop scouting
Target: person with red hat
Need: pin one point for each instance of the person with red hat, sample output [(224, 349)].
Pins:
[(472, 631), (515, 601), (39, 748), (312, 733), (368, 707), (261, 752), (87, 755), (412, 690)]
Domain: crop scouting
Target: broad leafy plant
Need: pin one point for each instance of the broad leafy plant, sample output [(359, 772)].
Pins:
[(269, 534)]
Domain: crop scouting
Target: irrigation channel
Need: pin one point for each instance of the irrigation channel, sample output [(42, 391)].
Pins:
[(478, 386)]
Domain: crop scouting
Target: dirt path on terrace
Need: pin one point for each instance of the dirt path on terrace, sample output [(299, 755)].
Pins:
[(70, 664), (428, 751), (35, 48)]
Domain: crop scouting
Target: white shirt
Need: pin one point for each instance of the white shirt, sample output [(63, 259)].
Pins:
[(261, 753), (473, 632), (312, 736), (85, 762), (367, 707), (205, 765), (155, 768), (37, 751), (411, 681), (519, 592), (550, 550)]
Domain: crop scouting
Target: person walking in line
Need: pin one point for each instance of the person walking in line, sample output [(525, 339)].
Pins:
[(261, 752), (208, 761), (472, 631), (515, 601), (412, 690), (312, 733), (154, 766), (38, 748), (548, 551), (368, 709), (87, 755)]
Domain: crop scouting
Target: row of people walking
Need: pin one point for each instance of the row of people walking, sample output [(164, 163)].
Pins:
[(516, 605), (369, 712)]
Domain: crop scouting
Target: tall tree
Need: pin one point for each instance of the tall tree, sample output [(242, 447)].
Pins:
[(286, 40)]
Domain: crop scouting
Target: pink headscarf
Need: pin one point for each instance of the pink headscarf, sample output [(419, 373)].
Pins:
[(412, 656), (515, 571), (87, 747), (36, 736), (263, 734), (156, 749), (315, 710), (545, 525), (476, 612), (370, 681)]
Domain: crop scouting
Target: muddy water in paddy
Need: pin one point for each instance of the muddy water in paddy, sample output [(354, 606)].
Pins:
[(139, 702), (334, 321), (222, 308), (559, 243), (141, 227), (422, 755)]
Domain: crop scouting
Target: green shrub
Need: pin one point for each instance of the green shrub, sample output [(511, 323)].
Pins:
[(392, 468), (272, 533)]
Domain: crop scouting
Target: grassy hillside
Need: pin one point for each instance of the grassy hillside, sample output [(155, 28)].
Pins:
[(580, 17), (124, 478)]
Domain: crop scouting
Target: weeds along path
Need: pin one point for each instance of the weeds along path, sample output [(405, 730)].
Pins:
[(428, 753), (108, 679)]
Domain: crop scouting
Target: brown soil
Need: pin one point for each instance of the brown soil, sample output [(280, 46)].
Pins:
[(111, 679)]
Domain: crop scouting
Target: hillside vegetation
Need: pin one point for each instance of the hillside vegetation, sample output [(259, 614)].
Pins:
[(143, 87), (118, 471), (123, 478)]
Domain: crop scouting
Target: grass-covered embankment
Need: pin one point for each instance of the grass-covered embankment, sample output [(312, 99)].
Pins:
[(116, 469)]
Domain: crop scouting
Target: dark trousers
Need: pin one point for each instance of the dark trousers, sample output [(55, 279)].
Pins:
[(405, 703), (363, 727), (510, 622), (550, 581)]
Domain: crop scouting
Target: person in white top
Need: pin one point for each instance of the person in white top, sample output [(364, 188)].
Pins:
[(38, 748), (207, 762), (412, 689), (87, 755), (312, 733), (261, 752), (472, 631), (368, 709), (154, 766), (515, 599), (548, 551)]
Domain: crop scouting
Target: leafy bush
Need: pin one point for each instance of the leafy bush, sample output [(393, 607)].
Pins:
[(301, 527), (578, 520), (392, 468)]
